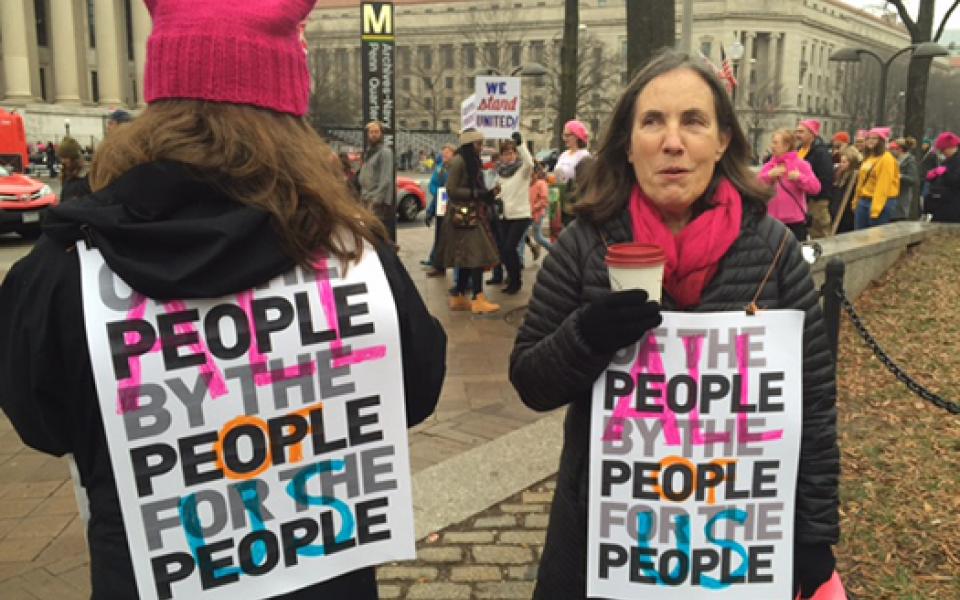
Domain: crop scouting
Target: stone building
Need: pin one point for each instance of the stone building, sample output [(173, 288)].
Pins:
[(784, 71), (64, 64)]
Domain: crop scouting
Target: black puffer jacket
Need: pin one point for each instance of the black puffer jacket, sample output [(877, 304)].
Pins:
[(821, 161), (551, 366)]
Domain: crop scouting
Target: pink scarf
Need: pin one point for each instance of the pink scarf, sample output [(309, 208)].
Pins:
[(694, 254)]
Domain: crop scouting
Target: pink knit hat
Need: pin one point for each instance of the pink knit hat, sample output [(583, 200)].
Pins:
[(881, 132), (813, 125), (246, 52), (947, 139), (578, 129)]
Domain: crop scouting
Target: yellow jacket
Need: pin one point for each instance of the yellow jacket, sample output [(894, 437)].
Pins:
[(879, 183)]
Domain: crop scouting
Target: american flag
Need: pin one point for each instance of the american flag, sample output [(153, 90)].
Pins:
[(726, 71)]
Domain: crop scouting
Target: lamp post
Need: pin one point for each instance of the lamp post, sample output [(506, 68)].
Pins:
[(922, 50), (66, 126), (735, 53)]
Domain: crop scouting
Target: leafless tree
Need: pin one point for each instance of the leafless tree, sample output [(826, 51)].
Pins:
[(335, 97), (921, 30), (762, 102)]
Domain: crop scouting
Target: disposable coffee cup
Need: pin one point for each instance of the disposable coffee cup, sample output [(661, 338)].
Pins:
[(636, 267)]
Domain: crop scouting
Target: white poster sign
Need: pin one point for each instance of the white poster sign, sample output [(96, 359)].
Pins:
[(498, 106), (695, 442), (258, 441), (468, 113), (443, 198)]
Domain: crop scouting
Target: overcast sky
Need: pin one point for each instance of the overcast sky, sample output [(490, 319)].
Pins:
[(941, 9)]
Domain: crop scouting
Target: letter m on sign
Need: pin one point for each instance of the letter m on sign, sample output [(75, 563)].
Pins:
[(377, 19)]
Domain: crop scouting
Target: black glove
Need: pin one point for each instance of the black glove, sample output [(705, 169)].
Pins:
[(518, 140), (813, 566), (618, 320)]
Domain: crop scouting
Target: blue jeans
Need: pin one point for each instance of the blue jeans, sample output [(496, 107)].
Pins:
[(537, 228), (862, 220)]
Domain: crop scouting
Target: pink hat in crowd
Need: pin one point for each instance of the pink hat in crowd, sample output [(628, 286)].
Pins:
[(813, 125), (881, 132), (947, 139), (578, 129), (861, 134), (228, 51)]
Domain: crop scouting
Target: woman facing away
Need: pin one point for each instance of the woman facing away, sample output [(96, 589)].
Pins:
[(878, 183), (215, 189), (943, 200), (572, 166), (466, 242), (844, 187), (908, 206), (672, 170), (792, 179)]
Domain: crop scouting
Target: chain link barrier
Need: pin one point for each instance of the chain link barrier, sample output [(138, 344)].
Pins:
[(951, 407)]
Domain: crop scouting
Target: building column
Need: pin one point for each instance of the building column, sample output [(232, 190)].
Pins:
[(68, 51), (749, 37), (111, 51), (20, 63), (142, 25)]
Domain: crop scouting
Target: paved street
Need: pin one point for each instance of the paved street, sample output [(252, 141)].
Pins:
[(42, 547)]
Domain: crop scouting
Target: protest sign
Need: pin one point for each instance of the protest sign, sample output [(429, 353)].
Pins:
[(695, 442), (498, 106), (443, 199), (468, 112), (258, 441)]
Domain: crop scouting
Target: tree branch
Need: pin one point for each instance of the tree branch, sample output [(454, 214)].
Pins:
[(906, 18), (946, 17)]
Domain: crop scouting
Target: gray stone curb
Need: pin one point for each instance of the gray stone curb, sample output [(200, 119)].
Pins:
[(466, 484)]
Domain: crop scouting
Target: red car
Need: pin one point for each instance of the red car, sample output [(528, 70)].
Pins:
[(23, 200), (411, 199)]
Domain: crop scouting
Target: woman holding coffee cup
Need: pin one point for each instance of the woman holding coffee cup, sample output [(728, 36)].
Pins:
[(671, 185)]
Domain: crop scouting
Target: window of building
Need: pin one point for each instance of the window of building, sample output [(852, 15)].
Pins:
[(446, 56), (428, 103), (40, 12), (470, 56), (535, 124), (426, 83), (448, 83), (424, 124), (91, 25), (537, 51), (706, 48), (94, 86), (491, 54), (342, 60), (128, 25), (425, 57), (446, 125), (405, 84), (403, 123), (516, 54), (448, 103), (405, 102), (405, 60), (471, 83)]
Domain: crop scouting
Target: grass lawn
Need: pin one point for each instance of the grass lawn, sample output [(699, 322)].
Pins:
[(900, 486)]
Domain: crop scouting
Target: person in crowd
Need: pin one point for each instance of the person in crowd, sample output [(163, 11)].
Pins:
[(342, 162), (792, 180), (840, 141), (539, 203), (673, 170), (878, 183), (437, 180), (860, 141), (215, 189), (51, 152), (73, 170), (117, 119), (843, 189), (812, 148), (908, 199), (513, 177), (928, 162), (572, 166), (376, 174), (466, 242), (943, 202)]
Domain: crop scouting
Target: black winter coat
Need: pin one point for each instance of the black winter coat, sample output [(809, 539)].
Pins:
[(168, 236), (820, 158), (552, 366), (943, 200)]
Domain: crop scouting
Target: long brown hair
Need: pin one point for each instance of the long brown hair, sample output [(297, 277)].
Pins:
[(271, 161), (610, 179)]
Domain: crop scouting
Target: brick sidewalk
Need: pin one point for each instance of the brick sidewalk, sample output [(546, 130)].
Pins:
[(493, 554)]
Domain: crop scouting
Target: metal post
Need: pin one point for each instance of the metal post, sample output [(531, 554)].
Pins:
[(686, 35), (832, 285)]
